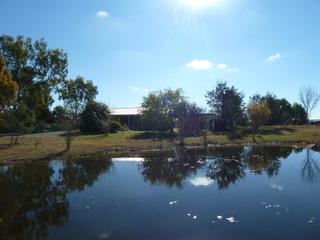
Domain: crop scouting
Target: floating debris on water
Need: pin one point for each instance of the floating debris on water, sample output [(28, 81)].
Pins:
[(231, 220), (213, 221), (311, 220), (194, 217), (173, 202), (219, 217), (104, 235), (189, 214)]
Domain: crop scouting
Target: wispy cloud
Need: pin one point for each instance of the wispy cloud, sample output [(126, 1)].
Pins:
[(222, 66), (200, 64), (145, 90), (274, 57), (103, 14), (207, 65)]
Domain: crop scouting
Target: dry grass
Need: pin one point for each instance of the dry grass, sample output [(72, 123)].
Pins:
[(48, 146)]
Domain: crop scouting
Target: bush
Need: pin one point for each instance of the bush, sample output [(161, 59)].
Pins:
[(95, 118), (115, 127)]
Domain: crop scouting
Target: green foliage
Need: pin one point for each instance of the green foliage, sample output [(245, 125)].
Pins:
[(37, 70), (95, 118), (227, 105), (76, 94), (115, 127), (259, 114), (8, 87), (159, 109), (300, 115), (282, 112)]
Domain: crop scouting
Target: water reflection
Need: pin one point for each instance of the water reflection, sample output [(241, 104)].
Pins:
[(32, 199), (171, 170), (35, 197), (310, 170), (225, 166)]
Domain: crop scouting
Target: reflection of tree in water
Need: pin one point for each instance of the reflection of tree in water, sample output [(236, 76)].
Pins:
[(223, 165), (266, 159), (226, 167), (76, 175), (310, 170), (32, 200), (170, 171)]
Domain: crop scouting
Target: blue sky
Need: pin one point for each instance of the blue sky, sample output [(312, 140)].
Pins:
[(128, 48)]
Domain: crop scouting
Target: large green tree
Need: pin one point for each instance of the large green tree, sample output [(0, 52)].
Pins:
[(227, 104), (159, 109), (300, 115), (282, 112), (37, 70), (76, 94)]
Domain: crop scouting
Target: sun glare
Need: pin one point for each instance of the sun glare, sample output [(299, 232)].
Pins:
[(200, 4)]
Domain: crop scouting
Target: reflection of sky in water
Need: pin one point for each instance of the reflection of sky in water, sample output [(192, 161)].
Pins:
[(159, 199)]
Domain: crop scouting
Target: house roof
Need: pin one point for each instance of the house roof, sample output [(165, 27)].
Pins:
[(126, 111)]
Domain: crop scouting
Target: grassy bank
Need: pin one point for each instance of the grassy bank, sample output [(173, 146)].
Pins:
[(52, 145)]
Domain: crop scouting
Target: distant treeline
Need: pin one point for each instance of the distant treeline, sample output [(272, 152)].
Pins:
[(30, 73)]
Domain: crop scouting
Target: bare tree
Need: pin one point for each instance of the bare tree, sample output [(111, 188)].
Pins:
[(309, 97)]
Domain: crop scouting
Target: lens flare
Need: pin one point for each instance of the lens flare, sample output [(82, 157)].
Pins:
[(199, 4)]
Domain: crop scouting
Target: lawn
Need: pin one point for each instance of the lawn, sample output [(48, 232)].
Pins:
[(52, 145)]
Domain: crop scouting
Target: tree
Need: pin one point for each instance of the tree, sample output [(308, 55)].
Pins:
[(227, 105), (19, 120), (8, 87), (299, 114), (95, 118), (35, 68), (190, 120), (159, 109), (258, 114), (309, 97), (281, 109), (76, 94)]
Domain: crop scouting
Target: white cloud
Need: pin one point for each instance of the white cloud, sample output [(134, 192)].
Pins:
[(222, 66), (145, 90), (274, 57), (103, 14), (207, 64), (201, 181), (200, 64)]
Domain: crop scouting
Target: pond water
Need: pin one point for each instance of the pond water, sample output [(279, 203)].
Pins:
[(223, 193)]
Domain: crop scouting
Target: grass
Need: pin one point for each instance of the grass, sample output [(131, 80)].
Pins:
[(50, 146)]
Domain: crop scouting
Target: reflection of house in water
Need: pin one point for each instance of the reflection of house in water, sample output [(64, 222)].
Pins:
[(131, 117)]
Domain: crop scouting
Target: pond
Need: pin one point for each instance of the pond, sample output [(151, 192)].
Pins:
[(223, 193)]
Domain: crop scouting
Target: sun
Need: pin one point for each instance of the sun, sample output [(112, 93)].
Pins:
[(199, 4)]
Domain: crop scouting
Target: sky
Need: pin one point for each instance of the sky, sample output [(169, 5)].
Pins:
[(131, 47)]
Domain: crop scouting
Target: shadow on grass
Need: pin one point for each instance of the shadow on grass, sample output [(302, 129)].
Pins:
[(5, 146), (153, 135), (241, 133)]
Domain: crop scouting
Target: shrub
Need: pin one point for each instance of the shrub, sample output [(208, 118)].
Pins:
[(115, 127), (95, 118)]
